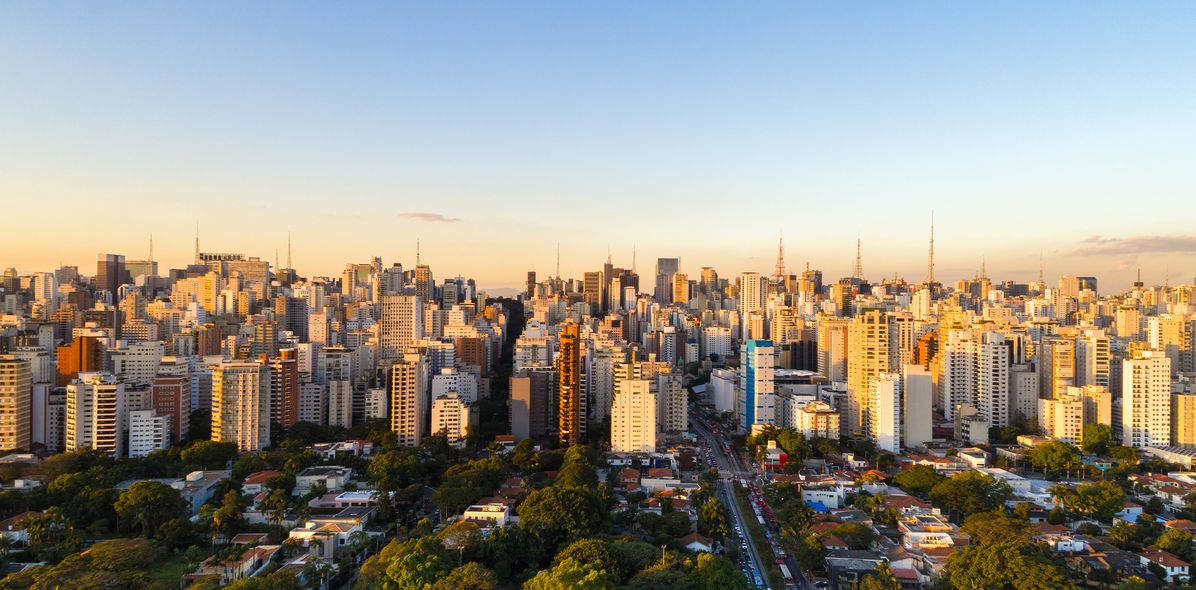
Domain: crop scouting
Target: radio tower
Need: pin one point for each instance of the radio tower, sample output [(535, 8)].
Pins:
[(930, 263), (289, 267), (558, 260), (779, 273), (859, 264)]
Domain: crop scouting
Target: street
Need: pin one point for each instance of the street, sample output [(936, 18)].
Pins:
[(732, 466)]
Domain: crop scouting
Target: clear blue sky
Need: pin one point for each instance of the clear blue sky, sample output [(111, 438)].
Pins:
[(691, 129)]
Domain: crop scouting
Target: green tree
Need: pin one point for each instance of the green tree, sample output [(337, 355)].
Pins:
[(881, 579), (553, 512), (855, 534), (147, 505), (229, 519), (918, 480), (51, 535), (592, 551), (1098, 438), (469, 576), (1054, 456), (713, 519), (274, 506), (1133, 583), (417, 570), (1176, 542), (571, 574), (209, 454), (1098, 499), (1004, 566), (713, 572), (677, 524), (988, 528), (970, 492)]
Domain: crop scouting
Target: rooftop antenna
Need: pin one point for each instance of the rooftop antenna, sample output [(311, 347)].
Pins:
[(196, 242), (417, 251), (1040, 280), (859, 265), (276, 258), (779, 273), (983, 266), (633, 258), (151, 255), (289, 267), (608, 252), (558, 260), (930, 263)]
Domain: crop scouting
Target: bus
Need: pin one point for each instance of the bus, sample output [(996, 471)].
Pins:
[(785, 574)]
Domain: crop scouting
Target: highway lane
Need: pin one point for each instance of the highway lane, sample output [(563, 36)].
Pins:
[(730, 469)]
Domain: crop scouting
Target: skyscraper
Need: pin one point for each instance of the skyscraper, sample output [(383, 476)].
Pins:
[(571, 412), (241, 405), (111, 273), (284, 388), (16, 389), (1146, 400), (633, 420), (409, 402), (95, 414), (752, 293), (401, 324), (756, 400), (84, 354), (868, 358)]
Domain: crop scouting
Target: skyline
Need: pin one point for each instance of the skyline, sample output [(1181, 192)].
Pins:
[(703, 133), (946, 276)]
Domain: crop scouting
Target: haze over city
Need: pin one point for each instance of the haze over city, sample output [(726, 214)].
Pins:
[(491, 133)]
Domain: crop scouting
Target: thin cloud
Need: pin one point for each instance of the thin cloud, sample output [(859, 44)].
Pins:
[(429, 217), (1098, 246)]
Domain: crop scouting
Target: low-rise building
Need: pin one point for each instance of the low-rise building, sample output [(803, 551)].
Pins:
[(333, 477)]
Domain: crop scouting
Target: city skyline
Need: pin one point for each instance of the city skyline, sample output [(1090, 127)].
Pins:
[(492, 134), (572, 269)]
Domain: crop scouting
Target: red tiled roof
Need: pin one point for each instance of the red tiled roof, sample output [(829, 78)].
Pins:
[(1164, 558)]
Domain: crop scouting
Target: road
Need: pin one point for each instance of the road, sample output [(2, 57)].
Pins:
[(730, 468)]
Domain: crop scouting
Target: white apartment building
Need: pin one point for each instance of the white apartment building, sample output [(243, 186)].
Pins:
[(633, 417), (148, 432)]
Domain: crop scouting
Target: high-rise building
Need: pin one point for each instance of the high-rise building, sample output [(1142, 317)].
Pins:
[(84, 354), (680, 288), (633, 418), (95, 413), (1183, 419), (531, 285), (409, 399), (992, 378), (401, 324), (425, 285), (592, 292), (671, 403), (171, 398), (336, 370), (1146, 400), (148, 432), (833, 348), (16, 390), (665, 269), (868, 358), (756, 403), (918, 402), (571, 400), (451, 417), (753, 291), (1062, 418), (111, 273), (284, 388), (241, 405), (531, 403), (1058, 362), (884, 421)]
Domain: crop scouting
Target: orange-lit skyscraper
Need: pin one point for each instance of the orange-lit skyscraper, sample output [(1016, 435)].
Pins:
[(571, 411)]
